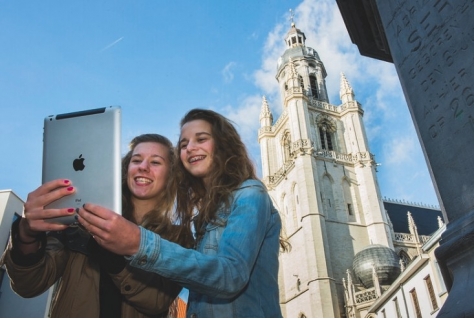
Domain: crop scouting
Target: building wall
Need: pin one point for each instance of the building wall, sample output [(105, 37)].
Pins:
[(414, 278), (12, 305)]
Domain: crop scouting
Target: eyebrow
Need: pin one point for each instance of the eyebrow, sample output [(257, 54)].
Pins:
[(154, 155), (197, 134)]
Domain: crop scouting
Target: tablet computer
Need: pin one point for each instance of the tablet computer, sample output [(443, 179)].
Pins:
[(84, 147)]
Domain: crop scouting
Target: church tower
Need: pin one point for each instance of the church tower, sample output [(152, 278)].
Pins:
[(321, 175)]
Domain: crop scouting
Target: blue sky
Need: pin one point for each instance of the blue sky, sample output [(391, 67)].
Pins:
[(158, 59)]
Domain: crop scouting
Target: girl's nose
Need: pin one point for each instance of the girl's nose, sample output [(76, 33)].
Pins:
[(191, 146), (144, 166)]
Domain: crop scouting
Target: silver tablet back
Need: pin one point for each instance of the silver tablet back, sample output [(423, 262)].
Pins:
[(84, 147)]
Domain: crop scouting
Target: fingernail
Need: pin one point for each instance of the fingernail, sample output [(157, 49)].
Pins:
[(76, 217), (70, 189), (66, 181), (70, 210)]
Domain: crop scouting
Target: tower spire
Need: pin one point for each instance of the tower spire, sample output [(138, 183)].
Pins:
[(414, 231), (266, 116), (346, 93)]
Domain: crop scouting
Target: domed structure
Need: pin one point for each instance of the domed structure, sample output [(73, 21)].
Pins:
[(385, 261)]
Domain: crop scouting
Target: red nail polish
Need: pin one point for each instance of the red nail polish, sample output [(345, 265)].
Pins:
[(70, 189), (70, 210), (66, 181)]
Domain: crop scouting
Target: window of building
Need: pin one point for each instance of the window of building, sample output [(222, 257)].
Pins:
[(429, 287), (349, 209), (326, 141), (293, 40), (300, 78), (314, 86), (404, 257), (299, 40), (397, 308), (416, 304), (327, 129)]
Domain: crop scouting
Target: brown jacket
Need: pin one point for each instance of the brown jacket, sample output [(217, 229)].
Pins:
[(144, 294)]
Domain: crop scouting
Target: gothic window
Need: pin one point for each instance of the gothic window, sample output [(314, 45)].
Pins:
[(404, 257), (326, 141), (314, 86), (327, 130)]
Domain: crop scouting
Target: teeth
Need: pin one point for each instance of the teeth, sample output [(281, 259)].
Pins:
[(196, 158), (142, 180)]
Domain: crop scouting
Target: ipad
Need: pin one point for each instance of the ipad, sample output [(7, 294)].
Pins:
[(84, 147)]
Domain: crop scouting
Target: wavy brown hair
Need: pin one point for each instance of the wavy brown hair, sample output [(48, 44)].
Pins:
[(160, 219), (231, 166)]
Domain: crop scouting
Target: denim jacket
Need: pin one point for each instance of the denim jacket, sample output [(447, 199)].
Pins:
[(234, 270)]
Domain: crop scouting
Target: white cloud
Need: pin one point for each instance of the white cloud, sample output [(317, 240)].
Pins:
[(246, 117)]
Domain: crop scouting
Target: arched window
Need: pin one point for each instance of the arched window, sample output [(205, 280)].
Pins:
[(404, 257), (326, 141), (327, 130)]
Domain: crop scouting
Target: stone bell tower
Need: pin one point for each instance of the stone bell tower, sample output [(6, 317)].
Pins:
[(321, 175)]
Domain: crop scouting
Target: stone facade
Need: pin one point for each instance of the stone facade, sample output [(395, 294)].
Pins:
[(318, 168), (321, 175)]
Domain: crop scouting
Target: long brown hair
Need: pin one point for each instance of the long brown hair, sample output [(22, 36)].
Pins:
[(231, 166), (160, 219)]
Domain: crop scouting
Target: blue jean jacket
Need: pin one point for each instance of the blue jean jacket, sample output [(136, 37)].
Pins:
[(234, 270)]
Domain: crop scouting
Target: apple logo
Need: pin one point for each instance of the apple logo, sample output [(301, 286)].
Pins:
[(78, 163)]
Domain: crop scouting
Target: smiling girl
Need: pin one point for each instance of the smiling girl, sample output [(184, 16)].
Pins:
[(233, 270), (93, 281)]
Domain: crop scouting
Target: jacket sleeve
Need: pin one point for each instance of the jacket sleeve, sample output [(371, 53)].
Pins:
[(32, 279), (222, 275), (147, 292)]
